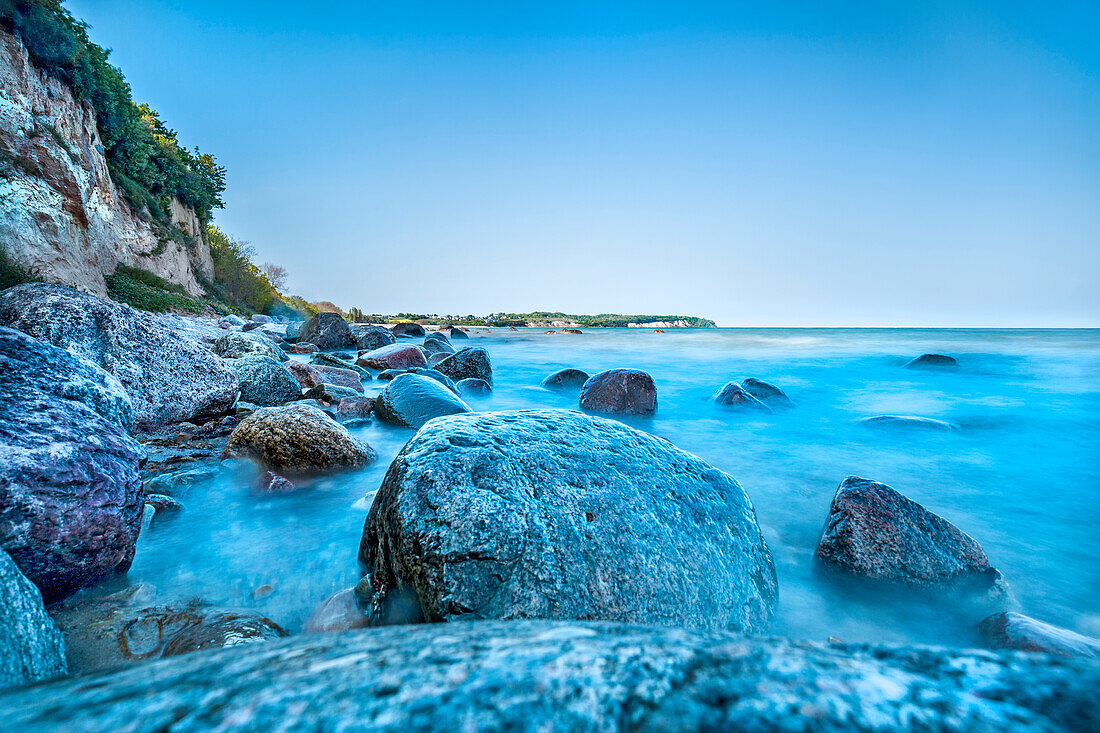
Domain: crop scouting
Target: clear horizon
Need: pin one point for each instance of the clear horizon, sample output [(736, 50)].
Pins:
[(822, 165)]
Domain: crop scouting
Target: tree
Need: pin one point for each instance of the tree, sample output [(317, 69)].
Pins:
[(276, 275)]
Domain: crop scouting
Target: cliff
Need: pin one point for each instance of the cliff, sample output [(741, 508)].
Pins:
[(61, 215)]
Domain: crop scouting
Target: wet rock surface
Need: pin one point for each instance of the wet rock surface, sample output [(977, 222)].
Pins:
[(407, 328), (566, 379), (265, 381), (932, 361), (769, 394), (31, 647), (620, 392), (555, 514), (437, 344), (473, 386), (471, 362), (235, 345), (168, 377), (327, 331), (908, 423), (309, 376), (732, 395), (368, 338), (345, 610), (1011, 630), (502, 676), (410, 400), (297, 438), (394, 356)]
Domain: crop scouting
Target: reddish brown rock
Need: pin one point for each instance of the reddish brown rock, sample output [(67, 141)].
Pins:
[(620, 392), (394, 356)]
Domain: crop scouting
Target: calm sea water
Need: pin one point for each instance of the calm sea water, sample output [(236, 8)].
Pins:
[(1022, 477)]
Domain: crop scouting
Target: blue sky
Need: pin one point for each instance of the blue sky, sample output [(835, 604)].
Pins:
[(806, 164)]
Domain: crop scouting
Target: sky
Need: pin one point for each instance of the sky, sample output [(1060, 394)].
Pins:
[(760, 164)]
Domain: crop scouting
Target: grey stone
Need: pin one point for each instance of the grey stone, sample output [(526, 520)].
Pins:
[(407, 328), (566, 379), (234, 345), (733, 395), (620, 392), (266, 382), (298, 437), (473, 386), (31, 647), (769, 394), (1016, 631), (327, 331), (932, 361), (410, 400), (470, 362), (908, 423)]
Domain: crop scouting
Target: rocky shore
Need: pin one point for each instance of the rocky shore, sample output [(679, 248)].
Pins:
[(521, 569)]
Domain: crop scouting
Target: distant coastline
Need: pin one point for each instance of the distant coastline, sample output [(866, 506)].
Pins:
[(541, 319)]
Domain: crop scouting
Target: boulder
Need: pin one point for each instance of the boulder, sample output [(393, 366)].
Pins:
[(265, 382), (434, 374), (566, 380), (875, 533), (234, 345), (261, 318), (410, 400), (312, 375), (769, 394), (394, 356), (170, 378), (733, 395), (556, 514), (569, 676), (299, 438), (909, 423), (251, 326), (343, 611), (407, 328), (437, 345), (294, 330), (620, 392), (70, 484), (354, 408), (230, 321), (303, 348), (470, 362), (327, 331), (179, 483), (473, 386), (932, 361), (269, 483), (31, 647), (1023, 633), (453, 332), (435, 359), (331, 360), (368, 338), (330, 393)]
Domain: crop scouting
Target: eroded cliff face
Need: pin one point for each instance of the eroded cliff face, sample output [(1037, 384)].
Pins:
[(61, 215)]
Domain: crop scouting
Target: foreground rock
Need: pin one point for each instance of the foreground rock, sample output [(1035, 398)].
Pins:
[(327, 331), (566, 379), (554, 514), (932, 361), (507, 676), (70, 484), (266, 382), (1023, 633), (169, 378), (908, 423), (235, 345), (297, 438), (620, 392), (733, 395), (31, 647), (769, 394), (468, 363), (394, 356), (874, 532), (410, 400)]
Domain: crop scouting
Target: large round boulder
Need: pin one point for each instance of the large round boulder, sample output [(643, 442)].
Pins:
[(769, 394), (566, 380), (408, 328), (555, 514), (620, 392), (470, 362), (394, 356), (732, 395), (297, 438), (438, 345), (70, 484), (169, 377), (327, 331), (266, 382), (368, 337), (31, 647), (410, 400), (235, 345)]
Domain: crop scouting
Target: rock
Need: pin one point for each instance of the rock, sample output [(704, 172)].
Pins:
[(1023, 633), (874, 532), (569, 676), (169, 378), (473, 386), (908, 423), (469, 362), (70, 486), (437, 345), (178, 484), (620, 392), (769, 394), (932, 361), (312, 375), (434, 359), (353, 408), (573, 331), (734, 395), (330, 393), (566, 379), (389, 374), (410, 400), (231, 321), (269, 482), (261, 318), (343, 611), (394, 356), (369, 338), (222, 630), (407, 328), (31, 647), (299, 438), (330, 360), (265, 382), (555, 514), (234, 345), (304, 348), (251, 326), (294, 330), (453, 332), (327, 331), (162, 505), (436, 375)]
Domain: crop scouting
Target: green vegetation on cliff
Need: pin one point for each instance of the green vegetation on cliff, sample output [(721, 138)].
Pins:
[(601, 320)]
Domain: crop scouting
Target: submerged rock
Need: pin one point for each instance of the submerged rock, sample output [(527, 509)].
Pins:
[(236, 345), (343, 611), (266, 382), (620, 392), (566, 379), (470, 362), (555, 514), (908, 423), (769, 394), (70, 485), (410, 400), (569, 676), (394, 356), (473, 386), (298, 437), (31, 647), (1023, 633), (222, 630), (407, 328), (327, 331), (369, 338), (734, 395), (932, 361), (876, 533), (168, 377)]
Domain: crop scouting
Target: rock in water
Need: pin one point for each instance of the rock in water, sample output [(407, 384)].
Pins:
[(566, 379), (734, 395), (437, 345), (169, 378), (874, 532), (932, 361), (266, 382), (394, 356), (555, 514), (536, 675), (299, 438), (70, 484), (327, 331), (620, 392), (312, 375), (453, 332), (237, 345), (372, 337), (31, 647), (470, 362), (410, 400), (769, 394), (473, 386), (908, 423), (408, 328), (1023, 633)]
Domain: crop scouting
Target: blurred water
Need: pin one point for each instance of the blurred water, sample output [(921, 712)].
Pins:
[(1022, 477)]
